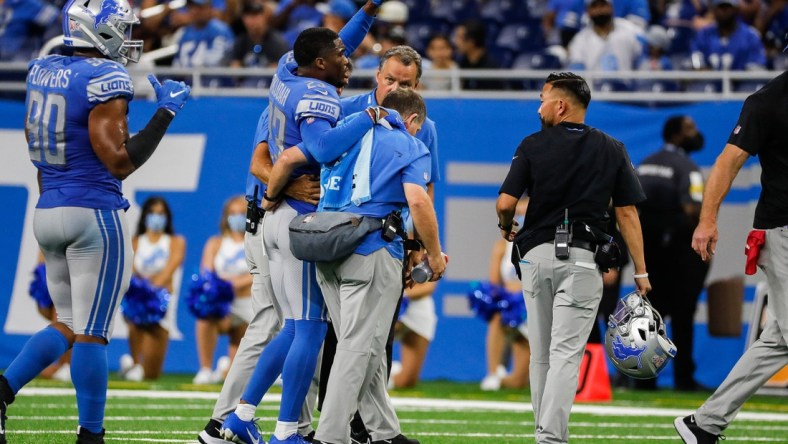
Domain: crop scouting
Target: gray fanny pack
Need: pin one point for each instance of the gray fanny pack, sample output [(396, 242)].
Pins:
[(329, 236)]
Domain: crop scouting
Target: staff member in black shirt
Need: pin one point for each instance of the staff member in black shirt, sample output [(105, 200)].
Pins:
[(760, 131), (567, 167), (674, 189)]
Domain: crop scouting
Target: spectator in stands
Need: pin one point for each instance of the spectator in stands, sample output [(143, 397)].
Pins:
[(470, 40), (259, 46), (607, 43), (206, 41), (636, 11), (338, 13), (728, 44), (441, 58), (655, 57), (680, 17), (21, 23), (293, 16), (562, 21)]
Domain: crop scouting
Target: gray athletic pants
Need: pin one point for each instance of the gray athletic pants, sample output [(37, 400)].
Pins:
[(361, 293), (266, 323), (88, 257), (561, 297), (767, 355)]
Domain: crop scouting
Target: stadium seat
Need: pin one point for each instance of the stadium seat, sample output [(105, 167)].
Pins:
[(535, 61), (419, 33), (455, 11), (520, 38), (504, 56), (418, 9)]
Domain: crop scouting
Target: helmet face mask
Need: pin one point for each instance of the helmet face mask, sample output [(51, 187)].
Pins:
[(636, 342), (104, 25)]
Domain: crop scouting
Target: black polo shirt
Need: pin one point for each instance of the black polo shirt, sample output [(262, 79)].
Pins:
[(670, 180), (762, 130), (569, 166)]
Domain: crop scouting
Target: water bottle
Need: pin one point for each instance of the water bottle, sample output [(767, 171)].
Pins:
[(422, 272)]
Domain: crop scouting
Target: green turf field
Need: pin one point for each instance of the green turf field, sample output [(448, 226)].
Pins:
[(172, 411)]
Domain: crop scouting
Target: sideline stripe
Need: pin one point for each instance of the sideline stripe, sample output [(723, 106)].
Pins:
[(443, 404), (627, 438)]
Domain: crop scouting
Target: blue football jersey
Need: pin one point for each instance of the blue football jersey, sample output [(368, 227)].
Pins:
[(61, 92), (293, 100)]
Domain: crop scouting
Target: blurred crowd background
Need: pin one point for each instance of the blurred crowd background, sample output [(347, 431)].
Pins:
[(599, 35)]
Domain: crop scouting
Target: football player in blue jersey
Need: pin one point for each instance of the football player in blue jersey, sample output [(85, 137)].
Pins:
[(303, 107), (77, 132)]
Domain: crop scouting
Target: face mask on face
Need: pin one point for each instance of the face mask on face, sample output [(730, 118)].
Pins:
[(602, 19), (237, 222), (693, 143), (155, 222)]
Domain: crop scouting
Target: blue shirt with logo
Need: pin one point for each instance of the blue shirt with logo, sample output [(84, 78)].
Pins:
[(395, 158), (428, 134), (208, 47), (61, 93), (17, 19)]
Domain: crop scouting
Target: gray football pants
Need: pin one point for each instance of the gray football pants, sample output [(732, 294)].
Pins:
[(361, 293), (266, 323), (88, 258), (561, 297), (767, 355)]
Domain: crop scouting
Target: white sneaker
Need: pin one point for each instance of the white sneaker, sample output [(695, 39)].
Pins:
[(135, 373), (126, 363), (204, 376), (491, 383), (501, 372), (63, 374), (222, 365), (396, 368)]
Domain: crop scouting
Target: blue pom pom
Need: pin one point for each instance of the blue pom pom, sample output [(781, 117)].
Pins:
[(209, 296), (483, 299), (144, 304), (512, 306), (403, 307), (38, 287)]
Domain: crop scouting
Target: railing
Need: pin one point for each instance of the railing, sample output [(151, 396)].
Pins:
[(521, 84)]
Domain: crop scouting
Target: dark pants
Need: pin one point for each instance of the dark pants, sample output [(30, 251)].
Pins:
[(677, 275)]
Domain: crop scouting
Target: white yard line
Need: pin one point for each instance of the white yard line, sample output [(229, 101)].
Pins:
[(429, 403)]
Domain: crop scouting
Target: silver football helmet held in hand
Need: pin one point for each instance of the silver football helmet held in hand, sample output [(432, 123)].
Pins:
[(104, 25), (636, 341)]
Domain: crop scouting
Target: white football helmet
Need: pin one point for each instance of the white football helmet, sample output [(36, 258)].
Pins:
[(636, 340), (104, 25)]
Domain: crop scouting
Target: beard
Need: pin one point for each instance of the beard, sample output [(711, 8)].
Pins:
[(545, 123)]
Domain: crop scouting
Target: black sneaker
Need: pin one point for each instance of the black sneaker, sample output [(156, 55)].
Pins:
[(85, 436), (359, 436), (690, 433), (210, 435), (310, 436), (399, 439), (6, 398)]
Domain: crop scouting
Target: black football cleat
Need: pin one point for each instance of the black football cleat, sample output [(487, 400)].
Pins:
[(85, 436), (210, 435), (691, 433), (399, 439)]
